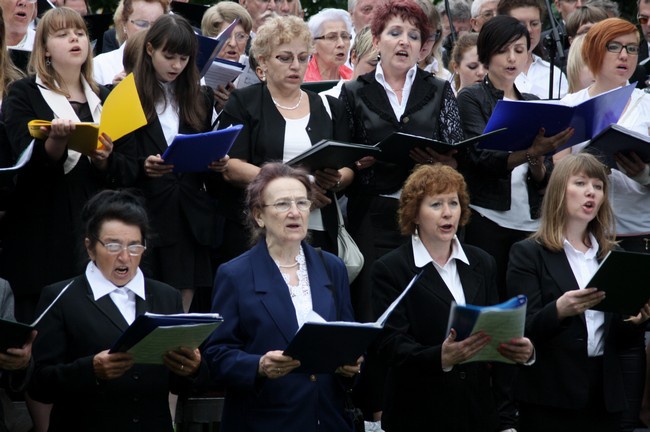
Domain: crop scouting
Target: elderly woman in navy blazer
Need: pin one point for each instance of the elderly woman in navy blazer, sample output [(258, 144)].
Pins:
[(265, 295)]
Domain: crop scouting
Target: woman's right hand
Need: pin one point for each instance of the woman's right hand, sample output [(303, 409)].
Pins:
[(365, 162), (108, 366), (543, 144), (274, 365), (575, 302), (456, 352), (154, 166)]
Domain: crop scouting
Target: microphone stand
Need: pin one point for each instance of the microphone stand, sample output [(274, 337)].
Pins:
[(452, 30), (555, 47)]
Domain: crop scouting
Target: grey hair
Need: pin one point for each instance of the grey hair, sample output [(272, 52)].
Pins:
[(330, 14)]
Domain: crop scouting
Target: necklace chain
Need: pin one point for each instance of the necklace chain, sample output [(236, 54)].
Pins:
[(288, 108), (287, 266)]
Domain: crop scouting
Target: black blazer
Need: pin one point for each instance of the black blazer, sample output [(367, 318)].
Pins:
[(418, 394), (42, 228), (431, 112), (70, 335), (559, 376), (262, 138), (177, 200)]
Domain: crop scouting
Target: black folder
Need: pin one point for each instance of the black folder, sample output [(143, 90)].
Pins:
[(318, 86), (332, 154), (396, 147), (13, 334), (618, 139), (20, 58), (323, 347), (625, 278)]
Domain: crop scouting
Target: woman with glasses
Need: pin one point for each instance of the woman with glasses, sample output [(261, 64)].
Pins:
[(131, 17), (331, 30), (431, 59), (281, 121), (92, 389), (181, 205), (265, 296), (215, 20), (18, 16), (610, 49)]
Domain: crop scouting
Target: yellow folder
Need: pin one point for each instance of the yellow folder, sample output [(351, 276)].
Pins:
[(122, 113)]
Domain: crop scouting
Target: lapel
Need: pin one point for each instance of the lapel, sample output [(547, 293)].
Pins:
[(272, 291), (320, 284), (471, 280), (155, 135), (560, 271), (106, 306)]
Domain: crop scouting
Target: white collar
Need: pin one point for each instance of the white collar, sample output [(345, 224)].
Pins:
[(102, 286), (410, 76), (590, 253), (421, 255)]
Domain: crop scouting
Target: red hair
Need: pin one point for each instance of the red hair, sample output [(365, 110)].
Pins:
[(408, 10), (594, 46)]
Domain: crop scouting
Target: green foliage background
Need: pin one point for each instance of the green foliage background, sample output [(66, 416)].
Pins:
[(628, 7)]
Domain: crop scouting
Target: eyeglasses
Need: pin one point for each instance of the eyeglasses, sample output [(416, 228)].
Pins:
[(142, 24), (435, 36), (616, 47), (241, 37), (289, 58), (487, 15), (282, 206), (116, 248), (334, 37), (642, 19)]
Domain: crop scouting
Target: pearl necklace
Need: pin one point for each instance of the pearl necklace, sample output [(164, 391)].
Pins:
[(288, 108)]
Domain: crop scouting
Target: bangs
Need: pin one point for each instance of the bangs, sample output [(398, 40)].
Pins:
[(180, 43), (66, 18)]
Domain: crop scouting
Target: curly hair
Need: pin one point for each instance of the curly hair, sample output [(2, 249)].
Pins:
[(430, 180)]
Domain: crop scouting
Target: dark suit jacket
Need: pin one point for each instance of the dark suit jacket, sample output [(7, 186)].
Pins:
[(177, 200), (559, 376), (259, 316), (42, 228), (419, 395), (70, 335)]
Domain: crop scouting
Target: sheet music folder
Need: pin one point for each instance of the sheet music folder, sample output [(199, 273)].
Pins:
[(624, 277), (618, 139), (396, 147), (524, 119), (150, 336), (323, 346), (193, 153), (332, 154)]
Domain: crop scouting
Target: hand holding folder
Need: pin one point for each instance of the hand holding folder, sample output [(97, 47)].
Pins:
[(322, 347), (122, 113)]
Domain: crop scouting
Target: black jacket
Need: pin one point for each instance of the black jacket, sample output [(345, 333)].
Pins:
[(486, 171)]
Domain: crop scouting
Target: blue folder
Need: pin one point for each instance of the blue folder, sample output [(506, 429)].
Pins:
[(193, 153), (523, 119), (209, 48)]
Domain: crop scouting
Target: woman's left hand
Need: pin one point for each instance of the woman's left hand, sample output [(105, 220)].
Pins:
[(328, 178), (221, 95), (430, 156), (320, 198), (349, 371), (100, 156), (220, 165), (642, 316), (18, 358), (183, 361), (519, 350)]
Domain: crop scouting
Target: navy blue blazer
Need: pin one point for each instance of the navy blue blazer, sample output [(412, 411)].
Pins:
[(259, 316)]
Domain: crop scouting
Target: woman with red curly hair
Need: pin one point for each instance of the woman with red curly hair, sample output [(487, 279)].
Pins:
[(426, 384)]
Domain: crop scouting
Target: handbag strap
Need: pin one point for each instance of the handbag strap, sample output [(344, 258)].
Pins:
[(329, 274)]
